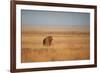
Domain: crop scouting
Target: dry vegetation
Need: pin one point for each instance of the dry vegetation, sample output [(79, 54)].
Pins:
[(74, 46)]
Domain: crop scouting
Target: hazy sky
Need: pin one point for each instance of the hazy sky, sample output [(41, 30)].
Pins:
[(54, 19)]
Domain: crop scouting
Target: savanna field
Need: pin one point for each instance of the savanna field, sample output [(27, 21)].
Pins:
[(65, 46)]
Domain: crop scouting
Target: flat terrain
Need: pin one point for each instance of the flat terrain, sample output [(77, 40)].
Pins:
[(65, 46)]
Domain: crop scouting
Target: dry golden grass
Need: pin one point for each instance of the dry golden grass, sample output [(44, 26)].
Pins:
[(64, 47)]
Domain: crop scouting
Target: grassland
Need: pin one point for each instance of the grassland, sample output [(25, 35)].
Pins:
[(65, 46)]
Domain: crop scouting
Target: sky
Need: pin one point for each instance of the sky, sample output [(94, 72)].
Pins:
[(55, 19)]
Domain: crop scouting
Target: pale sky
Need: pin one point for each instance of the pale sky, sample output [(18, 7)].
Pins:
[(54, 19)]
